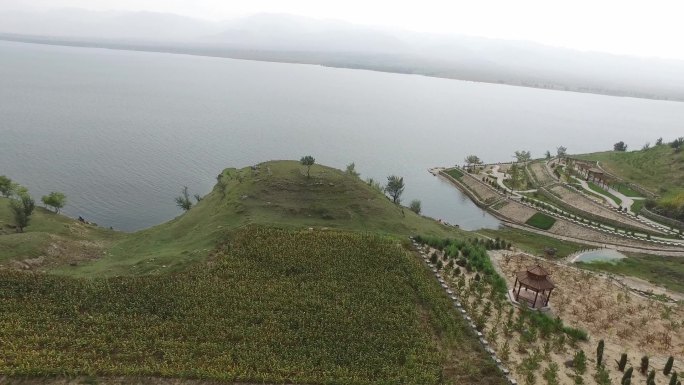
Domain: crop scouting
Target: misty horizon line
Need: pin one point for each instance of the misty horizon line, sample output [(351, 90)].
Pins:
[(378, 28)]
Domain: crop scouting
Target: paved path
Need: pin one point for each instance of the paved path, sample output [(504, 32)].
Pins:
[(626, 201), (500, 176)]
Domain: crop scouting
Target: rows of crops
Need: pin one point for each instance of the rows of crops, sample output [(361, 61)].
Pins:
[(275, 306)]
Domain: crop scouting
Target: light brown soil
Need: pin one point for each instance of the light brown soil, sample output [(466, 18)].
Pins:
[(626, 322), (541, 174), (585, 204), (486, 193), (517, 212)]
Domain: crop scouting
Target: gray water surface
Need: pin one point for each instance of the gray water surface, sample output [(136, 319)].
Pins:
[(120, 132)]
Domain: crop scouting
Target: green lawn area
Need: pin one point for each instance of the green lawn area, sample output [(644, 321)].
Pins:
[(274, 306), (664, 271), (541, 221), (604, 192), (637, 205), (533, 243), (626, 190), (454, 173)]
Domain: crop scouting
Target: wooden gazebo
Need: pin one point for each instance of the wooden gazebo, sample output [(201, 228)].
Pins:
[(534, 280), (596, 175)]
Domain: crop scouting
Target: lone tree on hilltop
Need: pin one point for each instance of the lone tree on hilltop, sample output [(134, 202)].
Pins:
[(561, 151), (351, 170), (308, 161), (6, 186), (677, 144), (523, 156), (620, 146), (547, 155), (22, 210), (472, 160), (55, 199), (395, 187), (183, 201)]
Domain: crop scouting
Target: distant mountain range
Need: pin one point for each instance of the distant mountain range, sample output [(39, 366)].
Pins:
[(287, 38)]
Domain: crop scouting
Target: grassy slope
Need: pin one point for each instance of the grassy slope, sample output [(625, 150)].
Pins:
[(659, 169), (664, 271), (58, 238), (533, 243), (283, 197), (278, 306)]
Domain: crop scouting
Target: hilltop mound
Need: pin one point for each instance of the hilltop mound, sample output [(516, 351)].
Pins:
[(276, 193)]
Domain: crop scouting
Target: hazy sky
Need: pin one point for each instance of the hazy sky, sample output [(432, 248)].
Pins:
[(643, 28)]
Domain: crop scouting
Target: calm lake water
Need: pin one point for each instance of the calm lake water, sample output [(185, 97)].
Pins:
[(120, 132)]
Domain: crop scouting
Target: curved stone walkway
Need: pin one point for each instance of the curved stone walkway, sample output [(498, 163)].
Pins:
[(500, 176)]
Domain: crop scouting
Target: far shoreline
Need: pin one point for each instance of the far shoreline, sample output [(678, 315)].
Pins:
[(268, 57)]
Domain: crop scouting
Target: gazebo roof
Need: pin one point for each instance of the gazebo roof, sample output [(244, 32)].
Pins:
[(535, 277)]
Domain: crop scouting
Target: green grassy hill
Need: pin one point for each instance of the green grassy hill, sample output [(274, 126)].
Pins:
[(659, 169), (50, 240), (277, 193), (240, 289)]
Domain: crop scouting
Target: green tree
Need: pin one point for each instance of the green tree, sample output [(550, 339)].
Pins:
[(547, 155), (561, 151), (668, 366), (472, 160), (651, 378), (627, 376), (395, 187), (6, 186), (677, 144), (644, 365), (673, 379), (523, 156), (620, 146), (659, 141), (599, 353), (623, 362), (22, 210), (308, 161), (351, 170), (55, 199), (183, 201), (415, 206)]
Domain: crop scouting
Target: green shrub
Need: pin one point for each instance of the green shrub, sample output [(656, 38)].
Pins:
[(579, 362)]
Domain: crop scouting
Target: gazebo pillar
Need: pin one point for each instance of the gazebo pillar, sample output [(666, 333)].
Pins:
[(548, 297), (534, 305)]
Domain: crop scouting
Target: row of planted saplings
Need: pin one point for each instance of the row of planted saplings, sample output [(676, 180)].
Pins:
[(643, 368)]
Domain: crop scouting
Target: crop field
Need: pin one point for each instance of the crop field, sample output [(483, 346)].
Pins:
[(541, 221), (270, 306)]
